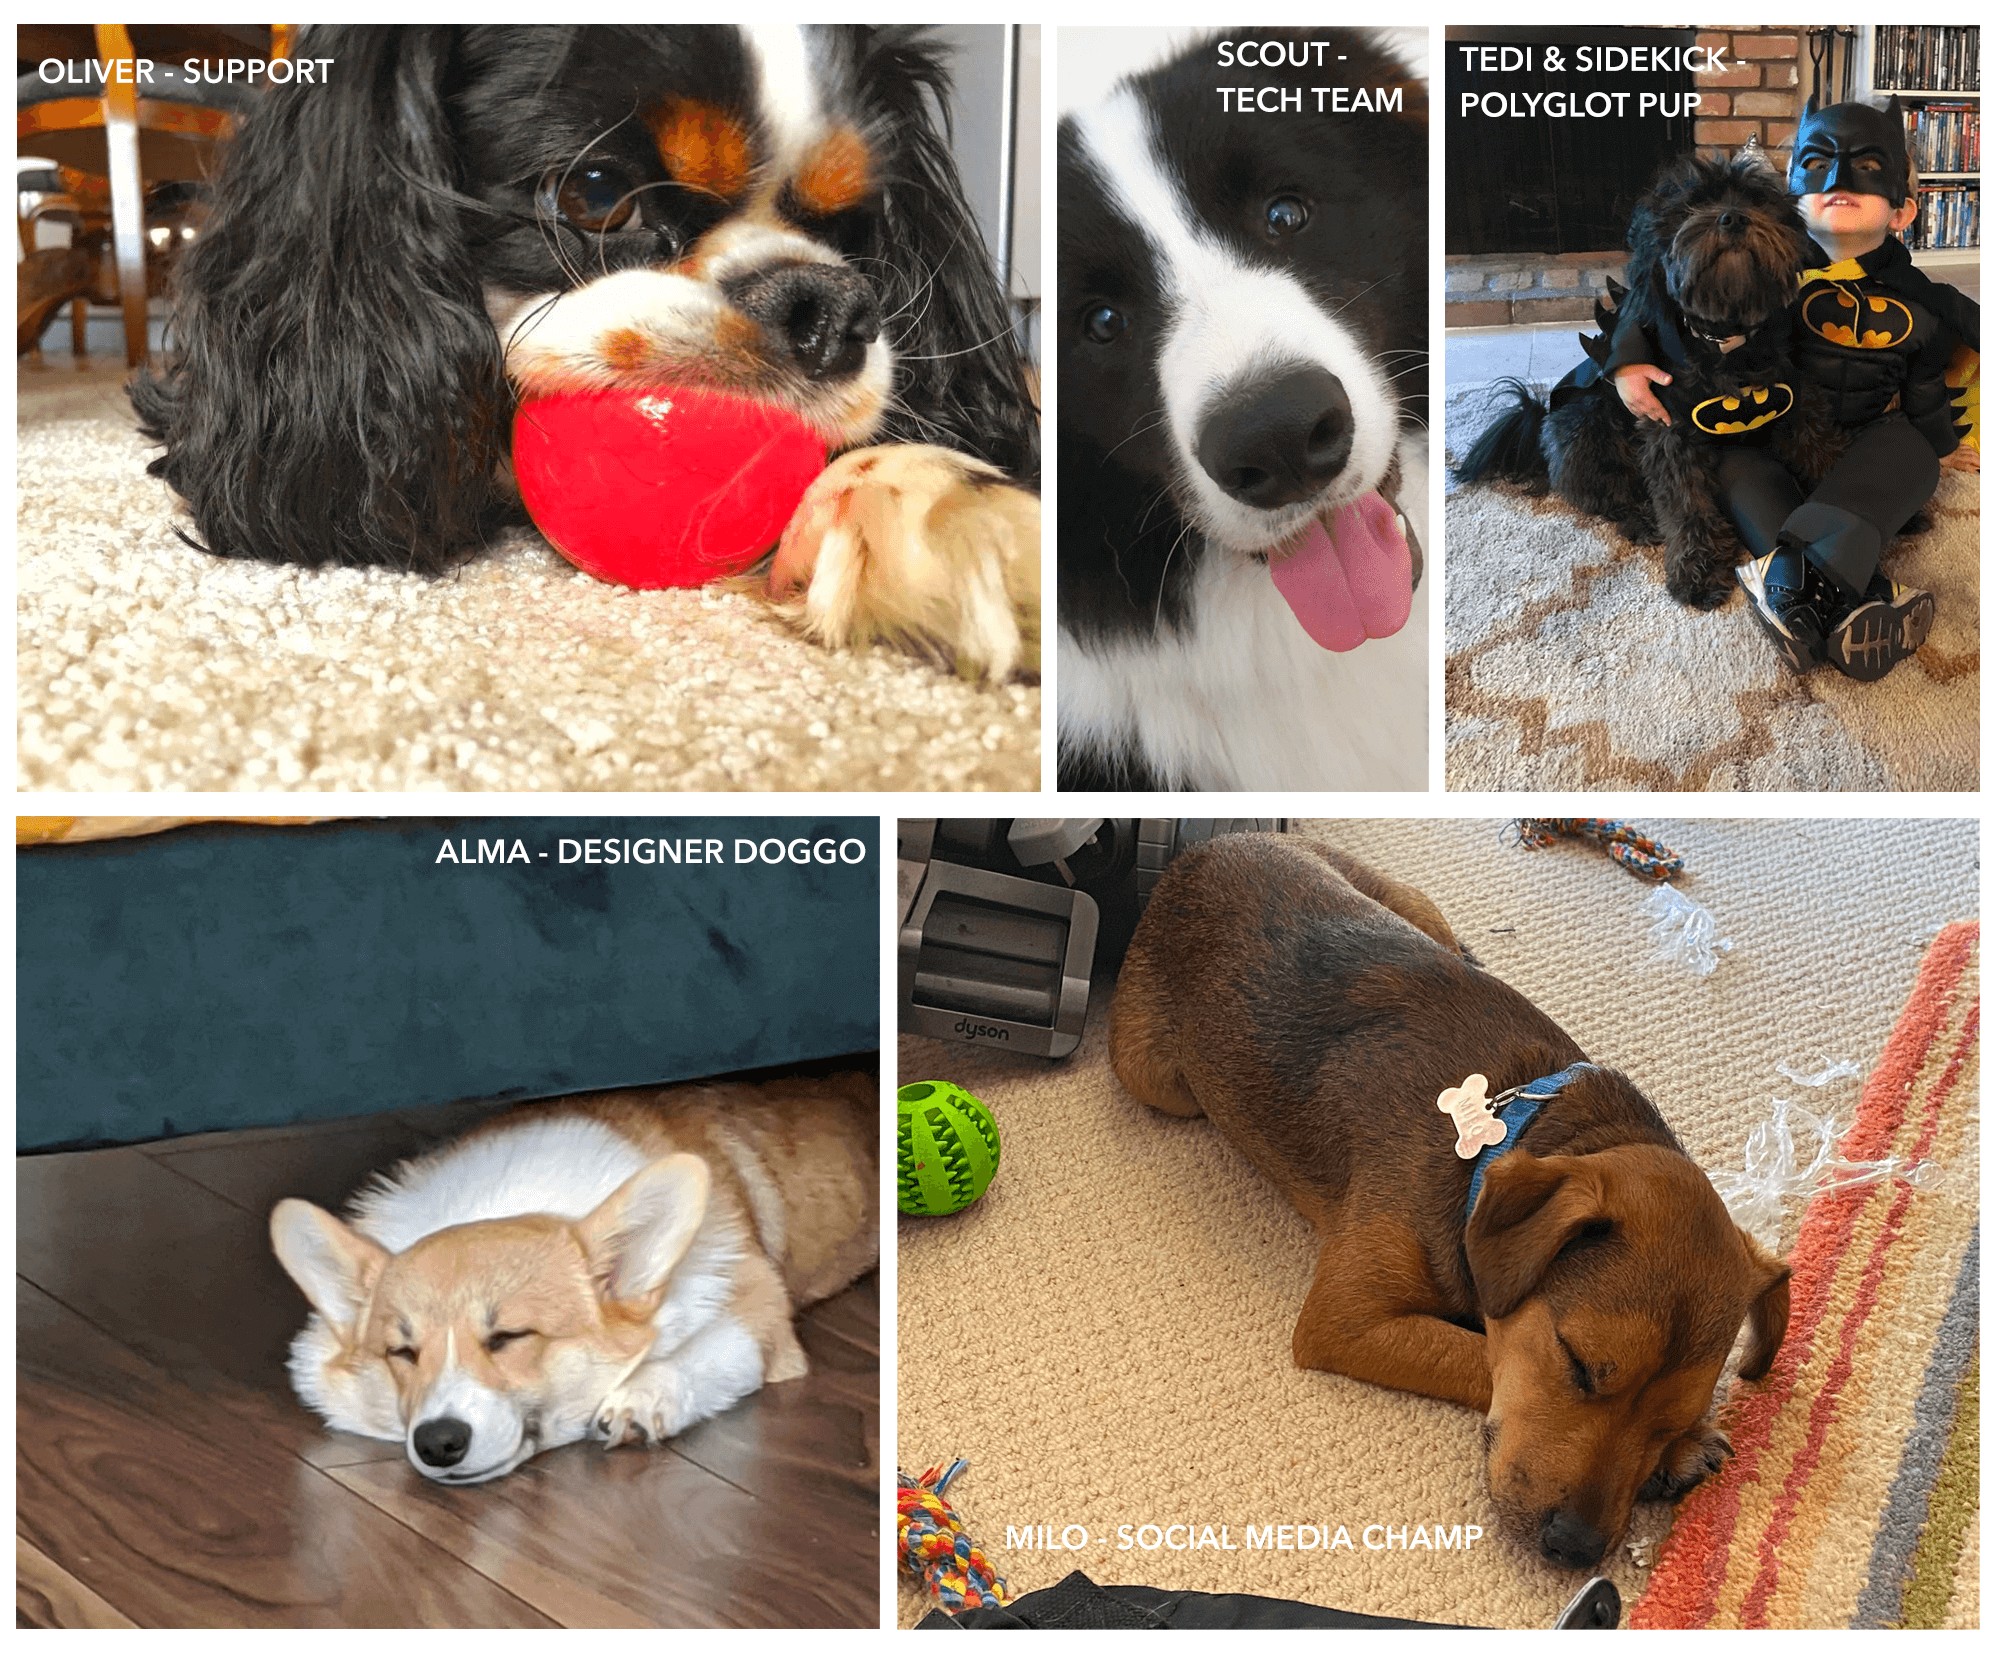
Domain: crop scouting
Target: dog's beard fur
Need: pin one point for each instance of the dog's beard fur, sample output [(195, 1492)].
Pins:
[(1741, 275)]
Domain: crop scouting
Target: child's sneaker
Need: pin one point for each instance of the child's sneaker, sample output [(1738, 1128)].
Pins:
[(1785, 597), (1889, 624)]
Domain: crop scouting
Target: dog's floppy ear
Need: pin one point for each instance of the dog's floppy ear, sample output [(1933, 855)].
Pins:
[(332, 1264), (961, 378), (1770, 1310), (1528, 1210), (644, 1227), (334, 391)]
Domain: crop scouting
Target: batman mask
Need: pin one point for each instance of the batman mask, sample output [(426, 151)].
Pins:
[(1854, 147)]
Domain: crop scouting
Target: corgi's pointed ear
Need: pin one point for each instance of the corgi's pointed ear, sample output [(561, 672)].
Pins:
[(333, 1265), (636, 1236)]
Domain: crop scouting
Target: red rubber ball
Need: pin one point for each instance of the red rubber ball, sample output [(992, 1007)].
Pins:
[(669, 487)]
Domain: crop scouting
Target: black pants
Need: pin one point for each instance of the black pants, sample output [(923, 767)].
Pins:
[(1883, 480)]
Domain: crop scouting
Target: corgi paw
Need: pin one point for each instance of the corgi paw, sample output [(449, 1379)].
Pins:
[(920, 547), (645, 1410), (1687, 1462)]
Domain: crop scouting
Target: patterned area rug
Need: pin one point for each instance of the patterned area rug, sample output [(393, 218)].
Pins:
[(1569, 668), (1853, 1498)]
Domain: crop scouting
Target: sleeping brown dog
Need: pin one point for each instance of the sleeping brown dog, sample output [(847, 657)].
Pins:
[(1316, 1011)]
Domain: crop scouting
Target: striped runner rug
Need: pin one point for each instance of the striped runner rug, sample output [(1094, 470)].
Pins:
[(1853, 1498)]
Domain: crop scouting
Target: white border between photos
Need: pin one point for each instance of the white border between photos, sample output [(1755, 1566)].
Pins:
[(1436, 803)]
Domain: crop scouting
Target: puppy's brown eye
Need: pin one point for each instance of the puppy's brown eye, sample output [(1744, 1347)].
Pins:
[(496, 1341), (1579, 1373), (403, 1351), (594, 198), (1104, 325), (1286, 215)]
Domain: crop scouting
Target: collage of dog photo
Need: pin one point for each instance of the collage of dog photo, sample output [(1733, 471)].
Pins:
[(566, 1075)]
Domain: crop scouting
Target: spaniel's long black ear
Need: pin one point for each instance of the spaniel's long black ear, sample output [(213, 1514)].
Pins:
[(961, 378), (333, 390)]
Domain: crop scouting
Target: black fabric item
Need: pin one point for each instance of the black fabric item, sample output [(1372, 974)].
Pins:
[(1080, 1603), (1877, 485), (1760, 494), (1762, 391), (1854, 147), (1886, 336)]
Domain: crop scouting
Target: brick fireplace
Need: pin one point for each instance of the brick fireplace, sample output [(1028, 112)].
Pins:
[(1755, 95)]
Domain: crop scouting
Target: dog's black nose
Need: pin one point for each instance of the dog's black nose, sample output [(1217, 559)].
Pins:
[(1569, 1540), (823, 316), (1727, 220), (442, 1441), (1277, 441)]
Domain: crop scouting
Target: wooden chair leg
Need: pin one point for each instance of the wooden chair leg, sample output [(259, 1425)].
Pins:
[(128, 196), (79, 328)]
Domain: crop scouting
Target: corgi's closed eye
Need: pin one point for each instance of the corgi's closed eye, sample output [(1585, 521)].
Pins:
[(402, 1351), (496, 1341)]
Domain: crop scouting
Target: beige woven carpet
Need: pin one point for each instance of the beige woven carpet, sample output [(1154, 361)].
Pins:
[(1569, 668), (148, 666), (1106, 1335)]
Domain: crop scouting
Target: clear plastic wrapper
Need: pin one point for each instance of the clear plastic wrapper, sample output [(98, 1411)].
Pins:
[(1817, 1072), (1683, 932), (1796, 1153)]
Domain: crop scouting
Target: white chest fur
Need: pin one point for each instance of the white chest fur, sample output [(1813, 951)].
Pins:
[(1243, 700)]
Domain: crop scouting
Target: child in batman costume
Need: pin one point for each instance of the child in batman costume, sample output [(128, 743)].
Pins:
[(1878, 336)]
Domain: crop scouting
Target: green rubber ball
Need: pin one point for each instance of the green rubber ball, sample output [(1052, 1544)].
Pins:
[(947, 1148)]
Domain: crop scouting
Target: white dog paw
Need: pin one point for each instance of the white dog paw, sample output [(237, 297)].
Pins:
[(645, 1410), (921, 547)]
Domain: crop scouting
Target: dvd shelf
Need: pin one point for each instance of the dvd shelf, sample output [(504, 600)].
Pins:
[(1915, 57), (1933, 70)]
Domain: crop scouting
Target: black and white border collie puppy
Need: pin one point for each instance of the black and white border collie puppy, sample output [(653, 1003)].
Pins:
[(451, 218), (1242, 475)]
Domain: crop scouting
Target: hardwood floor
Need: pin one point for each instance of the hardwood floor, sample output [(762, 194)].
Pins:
[(165, 1474)]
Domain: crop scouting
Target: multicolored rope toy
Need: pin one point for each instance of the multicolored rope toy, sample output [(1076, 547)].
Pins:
[(935, 1547), (1639, 855)]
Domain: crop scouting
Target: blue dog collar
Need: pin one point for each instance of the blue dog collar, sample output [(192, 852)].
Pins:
[(1516, 1109)]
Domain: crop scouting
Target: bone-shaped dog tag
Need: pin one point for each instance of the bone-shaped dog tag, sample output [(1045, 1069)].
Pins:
[(1471, 1110)]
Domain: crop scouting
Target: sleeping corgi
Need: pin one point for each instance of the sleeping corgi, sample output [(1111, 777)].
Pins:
[(616, 1267)]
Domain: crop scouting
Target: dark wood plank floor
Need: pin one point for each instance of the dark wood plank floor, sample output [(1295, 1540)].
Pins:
[(165, 1474)]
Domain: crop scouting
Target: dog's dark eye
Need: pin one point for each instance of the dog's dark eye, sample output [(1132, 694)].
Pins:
[(1579, 1373), (594, 198), (1286, 215), (402, 1351), (496, 1341), (1104, 325)]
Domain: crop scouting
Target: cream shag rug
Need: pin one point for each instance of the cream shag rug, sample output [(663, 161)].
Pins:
[(148, 666), (1569, 668), (1106, 1335)]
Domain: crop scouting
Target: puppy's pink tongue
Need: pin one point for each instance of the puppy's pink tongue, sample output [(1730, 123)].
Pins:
[(1347, 577)]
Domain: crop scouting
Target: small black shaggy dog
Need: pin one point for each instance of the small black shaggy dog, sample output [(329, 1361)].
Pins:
[(1716, 249)]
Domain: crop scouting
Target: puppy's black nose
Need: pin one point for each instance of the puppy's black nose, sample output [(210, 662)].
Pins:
[(1278, 441), (442, 1441), (822, 316), (1727, 220), (1569, 1540)]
